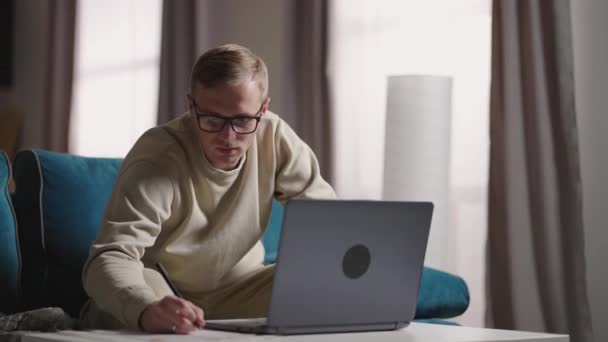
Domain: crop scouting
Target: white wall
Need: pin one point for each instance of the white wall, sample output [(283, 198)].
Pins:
[(591, 77)]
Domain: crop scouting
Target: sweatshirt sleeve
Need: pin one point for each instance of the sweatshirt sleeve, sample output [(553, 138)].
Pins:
[(113, 274), (298, 174)]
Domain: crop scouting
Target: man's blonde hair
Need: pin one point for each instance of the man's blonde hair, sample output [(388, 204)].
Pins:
[(230, 64)]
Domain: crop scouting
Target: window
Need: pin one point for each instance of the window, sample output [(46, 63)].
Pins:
[(371, 40), (115, 96)]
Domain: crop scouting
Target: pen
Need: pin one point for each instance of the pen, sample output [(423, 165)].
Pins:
[(162, 271)]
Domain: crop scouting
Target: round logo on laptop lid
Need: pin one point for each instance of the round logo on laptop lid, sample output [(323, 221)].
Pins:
[(356, 261)]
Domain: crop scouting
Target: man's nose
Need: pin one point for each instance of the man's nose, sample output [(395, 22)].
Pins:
[(227, 132)]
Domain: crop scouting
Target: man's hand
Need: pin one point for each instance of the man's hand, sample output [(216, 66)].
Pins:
[(172, 314)]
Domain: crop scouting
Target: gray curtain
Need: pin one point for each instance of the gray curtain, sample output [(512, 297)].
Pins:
[(59, 70), (178, 54), (313, 119), (536, 253)]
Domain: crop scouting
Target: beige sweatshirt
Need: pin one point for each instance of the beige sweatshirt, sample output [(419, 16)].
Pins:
[(204, 225)]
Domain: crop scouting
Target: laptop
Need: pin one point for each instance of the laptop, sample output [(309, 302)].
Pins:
[(344, 266)]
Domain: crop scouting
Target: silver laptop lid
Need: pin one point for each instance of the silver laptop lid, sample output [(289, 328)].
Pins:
[(349, 262)]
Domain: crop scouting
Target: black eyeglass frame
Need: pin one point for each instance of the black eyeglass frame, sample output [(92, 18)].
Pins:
[(257, 117)]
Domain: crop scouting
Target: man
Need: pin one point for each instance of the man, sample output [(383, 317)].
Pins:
[(195, 196)]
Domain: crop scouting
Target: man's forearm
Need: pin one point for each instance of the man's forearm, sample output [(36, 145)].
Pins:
[(116, 283)]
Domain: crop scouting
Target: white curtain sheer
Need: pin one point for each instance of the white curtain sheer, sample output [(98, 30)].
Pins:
[(370, 40), (115, 75)]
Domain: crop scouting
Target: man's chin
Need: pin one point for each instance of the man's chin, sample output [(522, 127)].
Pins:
[(226, 163)]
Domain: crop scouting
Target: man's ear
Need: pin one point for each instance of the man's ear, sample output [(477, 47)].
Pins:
[(265, 105), (189, 103)]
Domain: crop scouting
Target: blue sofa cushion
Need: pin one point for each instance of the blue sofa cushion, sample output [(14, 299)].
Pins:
[(10, 262), (59, 200), (271, 236), (441, 294), (436, 321)]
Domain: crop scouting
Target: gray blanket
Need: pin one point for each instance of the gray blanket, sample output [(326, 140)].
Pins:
[(46, 319)]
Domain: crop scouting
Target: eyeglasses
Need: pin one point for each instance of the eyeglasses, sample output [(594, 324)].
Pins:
[(213, 123)]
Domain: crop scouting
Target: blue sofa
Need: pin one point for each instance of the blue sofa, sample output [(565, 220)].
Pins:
[(10, 255), (49, 222)]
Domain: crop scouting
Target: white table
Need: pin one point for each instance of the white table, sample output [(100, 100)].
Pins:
[(416, 332)]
